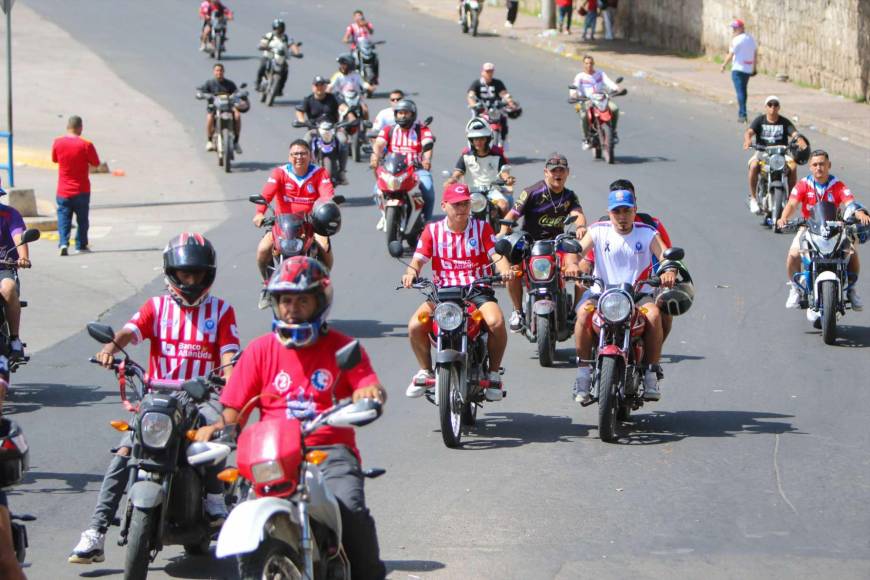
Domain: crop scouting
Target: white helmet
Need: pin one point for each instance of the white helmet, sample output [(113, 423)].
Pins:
[(477, 128)]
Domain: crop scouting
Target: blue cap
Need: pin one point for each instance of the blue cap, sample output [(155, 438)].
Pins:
[(620, 198)]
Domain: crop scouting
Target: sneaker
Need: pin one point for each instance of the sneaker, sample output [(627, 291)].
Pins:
[(581, 386), (494, 392), (85, 250), (517, 322), (420, 384), (209, 145), (16, 348), (753, 206), (794, 296), (382, 223), (64, 250), (857, 303), (651, 386), (215, 507), (201, 47), (237, 148), (89, 549), (586, 145), (815, 317), (342, 178), (507, 24), (264, 302)]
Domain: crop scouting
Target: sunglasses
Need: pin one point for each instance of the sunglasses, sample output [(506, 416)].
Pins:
[(395, 100), (773, 104), (300, 154), (556, 163)]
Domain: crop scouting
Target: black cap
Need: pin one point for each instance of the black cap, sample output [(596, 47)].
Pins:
[(556, 160), (319, 80)]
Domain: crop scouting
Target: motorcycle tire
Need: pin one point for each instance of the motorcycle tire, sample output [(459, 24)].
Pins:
[(272, 559), (607, 142), (138, 556), (475, 22), (545, 339), (596, 146), (776, 210), (273, 90), (199, 549), (357, 145), (608, 399), (829, 311), (331, 168), (464, 22), (392, 220), (262, 93), (227, 153), (449, 405), (219, 148)]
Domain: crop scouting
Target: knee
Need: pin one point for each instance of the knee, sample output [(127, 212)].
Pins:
[(8, 290), (123, 452)]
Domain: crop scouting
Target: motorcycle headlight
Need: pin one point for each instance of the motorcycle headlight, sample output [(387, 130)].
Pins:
[(615, 307), (267, 471), (448, 316), (825, 246), (155, 429), (326, 134), (541, 269), (478, 202), (777, 162), (393, 182)]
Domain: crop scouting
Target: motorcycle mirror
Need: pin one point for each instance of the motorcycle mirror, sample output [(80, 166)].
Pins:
[(102, 333), (257, 199), (445, 173), (428, 120), (674, 254), (571, 246), (339, 199), (243, 85), (395, 248), (196, 389), (618, 80), (348, 356), (503, 247), (357, 414), (30, 235)]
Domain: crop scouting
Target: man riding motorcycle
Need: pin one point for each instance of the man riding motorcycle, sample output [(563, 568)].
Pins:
[(587, 83), (302, 349), (624, 251), (276, 35), (191, 333), (460, 248), (220, 85), (488, 89), (544, 207), (387, 115), (414, 140), (11, 228), (358, 29), (483, 164), (821, 185), (320, 105), (9, 567), (206, 9), (345, 79)]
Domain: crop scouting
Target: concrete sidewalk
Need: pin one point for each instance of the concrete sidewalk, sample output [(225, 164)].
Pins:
[(814, 109)]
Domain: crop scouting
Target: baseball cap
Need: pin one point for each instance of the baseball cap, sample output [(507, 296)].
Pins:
[(488, 66), (771, 98), (620, 198), (737, 23), (456, 192), (556, 160), (319, 80)]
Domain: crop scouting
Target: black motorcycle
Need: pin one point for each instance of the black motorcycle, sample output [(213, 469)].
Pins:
[(218, 35), (326, 148), (367, 62), (224, 137), (14, 462), (771, 191), (6, 264), (166, 486), (276, 67)]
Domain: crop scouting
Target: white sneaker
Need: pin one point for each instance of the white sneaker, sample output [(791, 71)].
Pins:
[(89, 549), (651, 386), (237, 148), (754, 207), (582, 384), (814, 317), (857, 303), (494, 392), (794, 296), (209, 146), (215, 506), (586, 145), (421, 383), (507, 24), (516, 321), (382, 224)]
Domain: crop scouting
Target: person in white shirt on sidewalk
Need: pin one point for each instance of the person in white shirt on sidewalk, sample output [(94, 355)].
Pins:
[(741, 55)]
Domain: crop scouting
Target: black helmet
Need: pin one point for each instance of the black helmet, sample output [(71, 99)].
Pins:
[(278, 25), (676, 300), (345, 58), (406, 105), (801, 156), (192, 252), (326, 219), (516, 247), (14, 453), (514, 112)]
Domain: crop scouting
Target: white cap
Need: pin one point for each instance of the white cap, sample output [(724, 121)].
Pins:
[(771, 98), (488, 66)]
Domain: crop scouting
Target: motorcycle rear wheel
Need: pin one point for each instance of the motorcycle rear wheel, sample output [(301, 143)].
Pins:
[(829, 312), (449, 405), (218, 48), (608, 399), (545, 339), (272, 559), (138, 555), (607, 142)]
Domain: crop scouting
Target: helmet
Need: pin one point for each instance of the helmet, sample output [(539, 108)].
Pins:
[(14, 453), (516, 247), (326, 218), (300, 275), (278, 25), (801, 156), (406, 105), (477, 128), (676, 300), (345, 58), (514, 112), (194, 253)]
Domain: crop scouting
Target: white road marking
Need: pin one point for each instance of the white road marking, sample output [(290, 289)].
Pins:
[(149, 230)]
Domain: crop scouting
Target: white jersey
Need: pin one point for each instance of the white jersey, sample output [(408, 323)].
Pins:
[(384, 118), (588, 85), (621, 259), (743, 47)]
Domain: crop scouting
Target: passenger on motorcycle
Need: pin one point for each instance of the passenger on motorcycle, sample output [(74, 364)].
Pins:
[(483, 164), (488, 89), (461, 249), (624, 250), (220, 85), (11, 228), (277, 35), (345, 79), (544, 207), (821, 185), (770, 129), (191, 333), (321, 104), (358, 29), (414, 140), (303, 347), (206, 9), (587, 83), (387, 116)]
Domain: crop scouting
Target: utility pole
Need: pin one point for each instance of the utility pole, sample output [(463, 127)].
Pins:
[(6, 5), (548, 13)]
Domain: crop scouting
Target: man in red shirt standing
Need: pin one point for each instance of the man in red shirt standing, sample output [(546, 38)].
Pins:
[(73, 154)]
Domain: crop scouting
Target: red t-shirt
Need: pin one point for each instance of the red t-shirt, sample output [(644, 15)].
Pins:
[(406, 141), (458, 258), (306, 382), (808, 193), (73, 154), (294, 194), (355, 31)]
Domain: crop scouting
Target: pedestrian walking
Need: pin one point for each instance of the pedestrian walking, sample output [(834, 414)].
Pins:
[(589, 10), (73, 154), (608, 12), (513, 7), (741, 55), (566, 7)]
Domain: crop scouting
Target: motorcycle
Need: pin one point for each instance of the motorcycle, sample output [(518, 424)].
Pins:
[(14, 462), (494, 112), (218, 36), (289, 524), (469, 16), (325, 146), (772, 188), (224, 137), (401, 200), (367, 62), (617, 377), (600, 120), (482, 207), (167, 468), (276, 65), (356, 127), (27, 237)]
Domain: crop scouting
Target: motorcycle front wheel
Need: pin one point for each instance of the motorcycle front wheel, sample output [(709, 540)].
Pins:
[(273, 90), (546, 340), (392, 219), (272, 559), (776, 210), (607, 142), (475, 21), (829, 311), (608, 399), (142, 524), (227, 153), (449, 404)]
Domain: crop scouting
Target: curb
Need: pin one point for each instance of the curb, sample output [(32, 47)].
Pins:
[(38, 158)]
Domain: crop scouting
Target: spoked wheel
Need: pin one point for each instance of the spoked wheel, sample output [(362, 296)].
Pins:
[(607, 142), (449, 404), (608, 399), (273, 90), (829, 312), (272, 559), (227, 153)]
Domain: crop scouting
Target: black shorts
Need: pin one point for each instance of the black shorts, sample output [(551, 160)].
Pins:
[(482, 296)]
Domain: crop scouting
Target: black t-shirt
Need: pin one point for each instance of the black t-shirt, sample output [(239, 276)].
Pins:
[(488, 92), (768, 133), (216, 87), (543, 211), (314, 109)]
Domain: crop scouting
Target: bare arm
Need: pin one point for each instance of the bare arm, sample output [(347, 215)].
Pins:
[(457, 175), (412, 272), (122, 338), (747, 138), (23, 252)]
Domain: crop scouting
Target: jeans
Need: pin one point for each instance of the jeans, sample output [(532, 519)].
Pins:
[(608, 14), (66, 207), (589, 24), (565, 13), (428, 191), (740, 80)]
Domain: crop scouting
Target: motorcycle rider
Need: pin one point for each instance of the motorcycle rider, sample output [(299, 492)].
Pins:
[(220, 85), (487, 89), (818, 186), (387, 115), (277, 35), (206, 9), (772, 129), (11, 228), (345, 79), (588, 82), (443, 242), (302, 346), (413, 139), (319, 105), (9, 566), (544, 207), (483, 164), (624, 250), (358, 29), (191, 334)]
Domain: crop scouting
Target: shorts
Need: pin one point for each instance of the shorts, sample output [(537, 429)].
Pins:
[(798, 239), (788, 159), (482, 296), (11, 275), (495, 195)]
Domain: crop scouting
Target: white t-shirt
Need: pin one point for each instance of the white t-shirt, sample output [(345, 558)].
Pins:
[(588, 84), (621, 259), (743, 47), (384, 118)]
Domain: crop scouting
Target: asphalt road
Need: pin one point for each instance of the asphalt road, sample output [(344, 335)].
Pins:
[(754, 464)]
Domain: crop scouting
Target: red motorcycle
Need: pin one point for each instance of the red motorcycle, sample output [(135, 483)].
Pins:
[(496, 113), (600, 120), (401, 200)]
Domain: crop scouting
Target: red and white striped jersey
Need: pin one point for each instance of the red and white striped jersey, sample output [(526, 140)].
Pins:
[(409, 142), (458, 258), (186, 342)]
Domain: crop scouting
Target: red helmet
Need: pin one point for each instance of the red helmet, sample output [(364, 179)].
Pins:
[(300, 275), (192, 253)]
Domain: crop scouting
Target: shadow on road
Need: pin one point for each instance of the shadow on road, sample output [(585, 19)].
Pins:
[(364, 201), (201, 567), (369, 328), (503, 430), (676, 358), (521, 160), (852, 336), (667, 427), (27, 397), (102, 573), (238, 57), (251, 166), (413, 565), (286, 103), (638, 159), (75, 482)]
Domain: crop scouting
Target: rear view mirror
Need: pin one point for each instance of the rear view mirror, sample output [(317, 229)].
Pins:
[(339, 199), (102, 333), (395, 248), (357, 414), (618, 80), (428, 120), (674, 254), (257, 199), (506, 168), (570, 219), (349, 355), (30, 235), (196, 389), (244, 85), (571, 246)]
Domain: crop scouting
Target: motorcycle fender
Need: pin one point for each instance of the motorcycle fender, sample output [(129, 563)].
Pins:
[(448, 356), (605, 116), (242, 532), (611, 350), (544, 307), (146, 494), (824, 277), (394, 202)]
